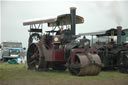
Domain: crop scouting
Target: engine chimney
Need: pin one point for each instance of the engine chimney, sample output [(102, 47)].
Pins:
[(73, 20), (119, 32)]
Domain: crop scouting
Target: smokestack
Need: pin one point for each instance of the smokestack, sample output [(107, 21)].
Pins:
[(73, 20), (119, 32)]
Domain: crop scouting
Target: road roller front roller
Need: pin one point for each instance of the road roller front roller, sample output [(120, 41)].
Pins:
[(85, 64)]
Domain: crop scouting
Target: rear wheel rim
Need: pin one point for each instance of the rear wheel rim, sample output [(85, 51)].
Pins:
[(33, 57)]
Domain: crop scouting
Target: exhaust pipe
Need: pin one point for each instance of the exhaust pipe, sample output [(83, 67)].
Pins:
[(73, 20), (119, 32)]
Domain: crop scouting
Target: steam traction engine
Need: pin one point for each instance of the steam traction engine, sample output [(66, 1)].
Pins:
[(59, 48), (114, 55)]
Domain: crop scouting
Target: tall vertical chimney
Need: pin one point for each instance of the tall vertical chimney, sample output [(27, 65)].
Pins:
[(119, 32), (73, 20)]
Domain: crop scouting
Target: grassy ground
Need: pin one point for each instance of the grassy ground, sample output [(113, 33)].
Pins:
[(19, 75)]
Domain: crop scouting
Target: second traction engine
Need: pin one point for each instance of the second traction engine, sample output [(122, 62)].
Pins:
[(60, 49)]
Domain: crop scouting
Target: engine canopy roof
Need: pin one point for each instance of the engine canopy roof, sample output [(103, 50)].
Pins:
[(64, 19)]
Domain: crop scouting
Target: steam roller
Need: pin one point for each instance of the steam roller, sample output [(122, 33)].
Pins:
[(85, 64), (60, 48)]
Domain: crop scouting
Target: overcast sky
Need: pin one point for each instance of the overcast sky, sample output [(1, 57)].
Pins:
[(98, 15)]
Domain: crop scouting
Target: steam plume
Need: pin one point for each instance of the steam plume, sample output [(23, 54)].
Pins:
[(113, 9)]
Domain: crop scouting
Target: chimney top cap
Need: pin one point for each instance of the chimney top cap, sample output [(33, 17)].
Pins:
[(119, 27), (73, 8)]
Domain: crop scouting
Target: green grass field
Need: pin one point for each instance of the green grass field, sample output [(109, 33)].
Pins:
[(13, 73)]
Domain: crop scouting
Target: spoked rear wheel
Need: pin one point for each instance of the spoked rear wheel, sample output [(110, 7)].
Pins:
[(34, 60)]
